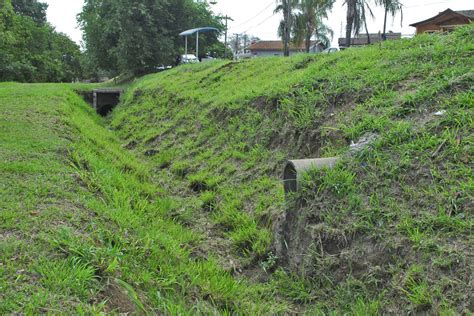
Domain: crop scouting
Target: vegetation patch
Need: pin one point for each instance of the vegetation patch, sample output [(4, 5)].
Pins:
[(174, 203)]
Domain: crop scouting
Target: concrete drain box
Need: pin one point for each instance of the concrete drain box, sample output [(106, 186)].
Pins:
[(105, 100)]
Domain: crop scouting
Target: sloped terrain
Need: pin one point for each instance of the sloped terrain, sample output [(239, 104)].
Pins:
[(83, 229), (174, 203), (389, 227)]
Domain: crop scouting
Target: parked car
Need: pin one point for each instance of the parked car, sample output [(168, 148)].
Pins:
[(189, 59), (331, 50)]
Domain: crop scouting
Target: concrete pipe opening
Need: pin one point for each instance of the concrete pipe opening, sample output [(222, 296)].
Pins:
[(105, 100), (295, 169)]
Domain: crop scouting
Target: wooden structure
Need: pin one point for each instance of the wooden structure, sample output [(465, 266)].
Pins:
[(445, 21)]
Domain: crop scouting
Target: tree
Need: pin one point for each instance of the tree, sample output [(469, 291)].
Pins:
[(32, 8), (392, 7), (350, 19), (241, 41), (309, 22), (138, 35), (286, 25), (34, 53), (356, 18), (364, 8)]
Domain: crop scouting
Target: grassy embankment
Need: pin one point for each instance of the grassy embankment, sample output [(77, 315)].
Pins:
[(180, 216), (390, 226), (81, 223)]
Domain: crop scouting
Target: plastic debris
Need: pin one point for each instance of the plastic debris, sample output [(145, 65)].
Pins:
[(363, 142)]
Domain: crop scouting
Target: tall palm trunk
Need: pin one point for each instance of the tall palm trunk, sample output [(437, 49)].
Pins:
[(310, 28), (367, 32), (287, 26), (392, 7), (308, 42), (351, 11)]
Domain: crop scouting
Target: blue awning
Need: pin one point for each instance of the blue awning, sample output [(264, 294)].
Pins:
[(200, 30)]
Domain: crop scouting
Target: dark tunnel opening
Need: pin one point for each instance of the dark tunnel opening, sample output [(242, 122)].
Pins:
[(106, 100)]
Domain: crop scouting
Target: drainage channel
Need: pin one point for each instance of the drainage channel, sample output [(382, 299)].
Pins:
[(105, 100), (102, 100)]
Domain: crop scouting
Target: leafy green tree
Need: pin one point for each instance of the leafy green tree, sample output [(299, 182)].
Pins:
[(34, 53), (137, 36), (101, 31), (32, 8), (68, 54), (309, 22)]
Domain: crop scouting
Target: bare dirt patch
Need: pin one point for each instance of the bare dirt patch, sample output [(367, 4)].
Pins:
[(117, 299)]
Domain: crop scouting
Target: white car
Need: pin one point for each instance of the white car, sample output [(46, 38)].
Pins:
[(189, 59)]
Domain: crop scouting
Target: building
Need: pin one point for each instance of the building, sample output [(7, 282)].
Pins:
[(444, 22), (275, 48), (362, 39)]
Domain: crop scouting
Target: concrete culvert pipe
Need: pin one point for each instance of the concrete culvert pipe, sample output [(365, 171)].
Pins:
[(295, 169), (105, 100)]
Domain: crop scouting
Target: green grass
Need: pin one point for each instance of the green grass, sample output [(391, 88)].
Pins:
[(79, 213), (238, 122), (169, 204)]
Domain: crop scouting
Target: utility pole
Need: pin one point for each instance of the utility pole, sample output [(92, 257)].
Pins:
[(226, 18), (245, 42), (237, 43)]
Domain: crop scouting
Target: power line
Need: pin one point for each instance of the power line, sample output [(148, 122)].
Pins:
[(268, 18), (426, 4), (257, 15)]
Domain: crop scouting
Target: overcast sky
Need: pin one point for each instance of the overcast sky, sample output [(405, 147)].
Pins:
[(255, 17)]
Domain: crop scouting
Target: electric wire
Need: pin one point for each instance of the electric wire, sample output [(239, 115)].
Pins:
[(257, 25), (255, 16)]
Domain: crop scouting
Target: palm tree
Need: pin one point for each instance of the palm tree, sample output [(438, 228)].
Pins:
[(286, 25), (392, 7), (364, 6), (357, 17), (351, 19), (309, 22), (323, 33)]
